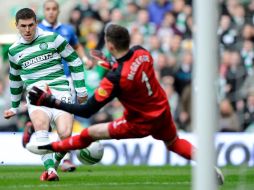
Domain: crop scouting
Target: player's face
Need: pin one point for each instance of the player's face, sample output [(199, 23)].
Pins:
[(27, 28), (51, 12)]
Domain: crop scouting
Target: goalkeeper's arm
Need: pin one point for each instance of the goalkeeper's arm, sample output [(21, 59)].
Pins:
[(40, 98), (84, 110)]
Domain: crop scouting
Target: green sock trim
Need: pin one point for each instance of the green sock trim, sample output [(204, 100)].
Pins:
[(49, 164), (59, 155)]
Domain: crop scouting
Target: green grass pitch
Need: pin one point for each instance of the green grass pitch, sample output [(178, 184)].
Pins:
[(119, 178)]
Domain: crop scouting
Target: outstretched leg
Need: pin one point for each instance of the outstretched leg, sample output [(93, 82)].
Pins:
[(184, 148), (181, 146), (72, 143)]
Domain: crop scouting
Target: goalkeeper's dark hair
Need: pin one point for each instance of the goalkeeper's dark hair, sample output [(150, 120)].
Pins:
[(25, 14), (118, 35)]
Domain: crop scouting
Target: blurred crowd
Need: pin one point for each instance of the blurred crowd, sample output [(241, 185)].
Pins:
[(165, 28)]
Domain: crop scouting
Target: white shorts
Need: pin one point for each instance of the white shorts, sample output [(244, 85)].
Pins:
[(53, 114)]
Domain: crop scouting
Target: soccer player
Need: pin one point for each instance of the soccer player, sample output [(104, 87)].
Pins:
[(132, 80), (51, 23), (35, 60)]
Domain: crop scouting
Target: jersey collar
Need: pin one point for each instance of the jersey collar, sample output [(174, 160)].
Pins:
[(127, 56), (47, 24)]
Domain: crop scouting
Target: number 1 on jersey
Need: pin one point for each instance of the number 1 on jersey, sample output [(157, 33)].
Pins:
[(148, 86)]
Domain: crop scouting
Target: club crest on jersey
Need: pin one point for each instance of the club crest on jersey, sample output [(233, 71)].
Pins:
[(102, 92), (43, 46)]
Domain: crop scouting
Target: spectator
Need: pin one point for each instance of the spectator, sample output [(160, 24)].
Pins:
[(157, 9), (228, 121), (167, 28), (142, 24), (174, 49), (137, 39), (247, 54), (247, 113), (155, 47), (227, 34), (164, 66), (181, 12), (184, 117), (235, 77), (184, 74), (173, 97)]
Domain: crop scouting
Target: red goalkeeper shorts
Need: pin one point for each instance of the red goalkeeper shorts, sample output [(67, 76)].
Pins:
[(161, 128)]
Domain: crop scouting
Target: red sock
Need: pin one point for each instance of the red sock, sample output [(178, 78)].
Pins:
[(72, 143), (182, 147)]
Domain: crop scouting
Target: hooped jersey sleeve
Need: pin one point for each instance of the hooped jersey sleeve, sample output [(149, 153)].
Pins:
[(75, 64), (16, 83)]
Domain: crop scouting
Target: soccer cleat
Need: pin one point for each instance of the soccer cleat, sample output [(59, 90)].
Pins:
[(39, 149), (44, 176), (68, 166), (49, 176), (219, 176), (28, 131), (52, 176)]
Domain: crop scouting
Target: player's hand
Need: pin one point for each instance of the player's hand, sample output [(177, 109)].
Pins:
[(82, 100), (89, 64), (100, 59), (38, 97), (82, 96), (9, 113)]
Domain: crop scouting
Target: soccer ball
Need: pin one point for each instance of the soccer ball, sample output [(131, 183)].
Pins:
[(91, 154)]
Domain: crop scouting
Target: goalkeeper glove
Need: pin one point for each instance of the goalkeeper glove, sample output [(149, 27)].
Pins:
[(100, 59), (38, 97)]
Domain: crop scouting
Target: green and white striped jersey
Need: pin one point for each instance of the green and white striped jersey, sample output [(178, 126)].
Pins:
[(39, 63)]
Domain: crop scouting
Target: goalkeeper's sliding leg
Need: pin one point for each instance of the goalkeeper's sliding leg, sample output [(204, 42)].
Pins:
[(120, 129)]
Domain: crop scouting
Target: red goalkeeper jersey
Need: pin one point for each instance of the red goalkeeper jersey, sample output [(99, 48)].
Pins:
[(132, 80)]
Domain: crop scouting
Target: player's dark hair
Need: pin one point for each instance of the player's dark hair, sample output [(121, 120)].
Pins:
[(25, 13), (118, 35)]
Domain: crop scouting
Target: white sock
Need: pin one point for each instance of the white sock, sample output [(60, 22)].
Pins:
[(52, 170), (42, 137)]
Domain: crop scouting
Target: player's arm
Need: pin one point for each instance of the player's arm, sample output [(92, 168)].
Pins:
[(75, 65), (74, 42), (81, 53), (105, 93), (16, 87)]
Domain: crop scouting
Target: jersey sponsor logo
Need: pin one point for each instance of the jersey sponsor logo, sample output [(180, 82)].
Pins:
[(135, 65), (102, 92), (43, 46), (37, 59)]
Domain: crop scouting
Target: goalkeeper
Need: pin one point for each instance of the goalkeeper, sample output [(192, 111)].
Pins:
[(132, 80)]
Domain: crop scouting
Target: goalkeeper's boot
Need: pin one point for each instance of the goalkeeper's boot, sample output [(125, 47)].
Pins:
[(219, 176), (68, 166), (39, 149), (28, 131)]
